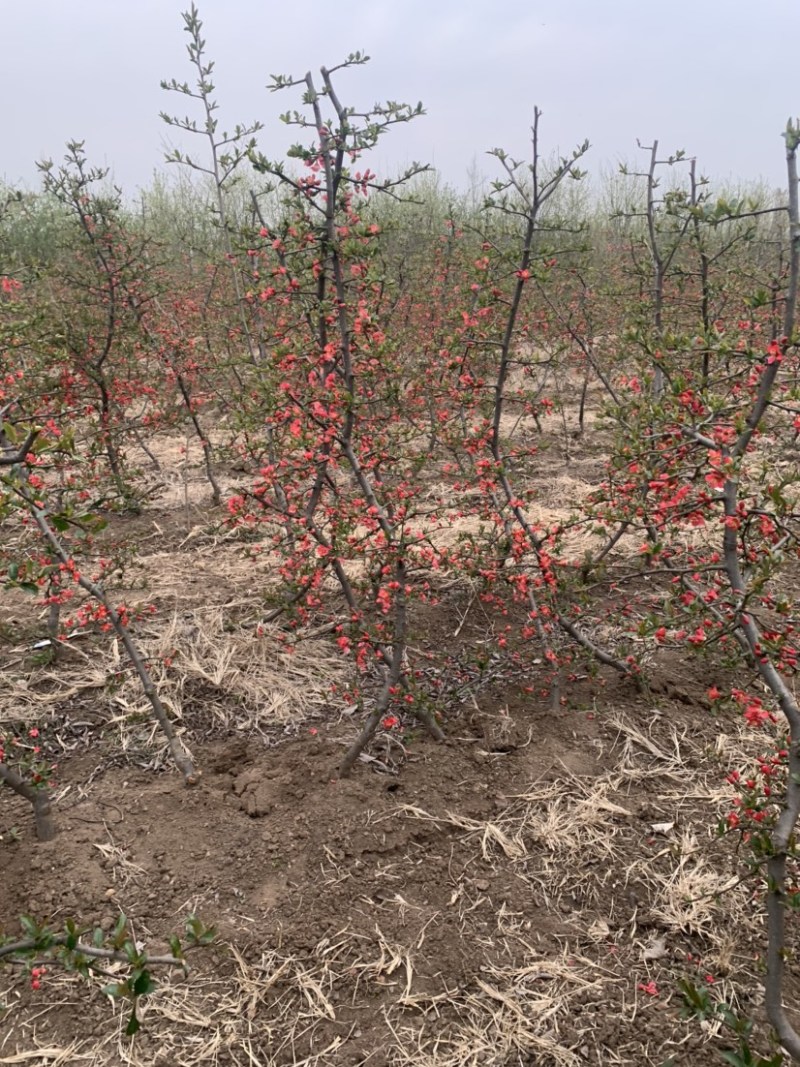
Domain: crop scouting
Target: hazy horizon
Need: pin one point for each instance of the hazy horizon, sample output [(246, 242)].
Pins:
[(612, 73)]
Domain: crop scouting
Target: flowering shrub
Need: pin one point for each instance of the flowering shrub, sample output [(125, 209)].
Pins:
[(378, 383)]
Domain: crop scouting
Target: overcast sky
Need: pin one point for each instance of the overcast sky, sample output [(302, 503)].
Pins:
[(717, 78)]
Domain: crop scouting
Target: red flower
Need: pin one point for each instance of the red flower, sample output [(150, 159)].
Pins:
[(756, 715), (774, 352)]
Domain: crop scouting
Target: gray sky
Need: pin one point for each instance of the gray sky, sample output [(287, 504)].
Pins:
[(716, 77)]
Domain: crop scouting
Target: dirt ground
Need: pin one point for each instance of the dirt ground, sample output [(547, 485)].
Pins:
[(528, 893)]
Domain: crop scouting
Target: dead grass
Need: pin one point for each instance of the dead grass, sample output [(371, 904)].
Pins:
[(247, 681), (206, 667), (277, 1008), (549, 834)]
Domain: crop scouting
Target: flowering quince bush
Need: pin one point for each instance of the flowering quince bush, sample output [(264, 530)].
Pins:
[(23, 767), (51, 541), (44, 564), (47, 533), (361, 422), (508, 352), (66, 391), (93, 362), (343, 496), (705, 419)]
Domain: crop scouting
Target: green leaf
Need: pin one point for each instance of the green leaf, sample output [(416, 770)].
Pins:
[(72, 935), (29, 927), (93, 522), (198, 933), (143, 984), (734, 1059), (134, 1025), (120, 928)]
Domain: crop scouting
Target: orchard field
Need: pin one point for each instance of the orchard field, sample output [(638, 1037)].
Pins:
[(398, 649)]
